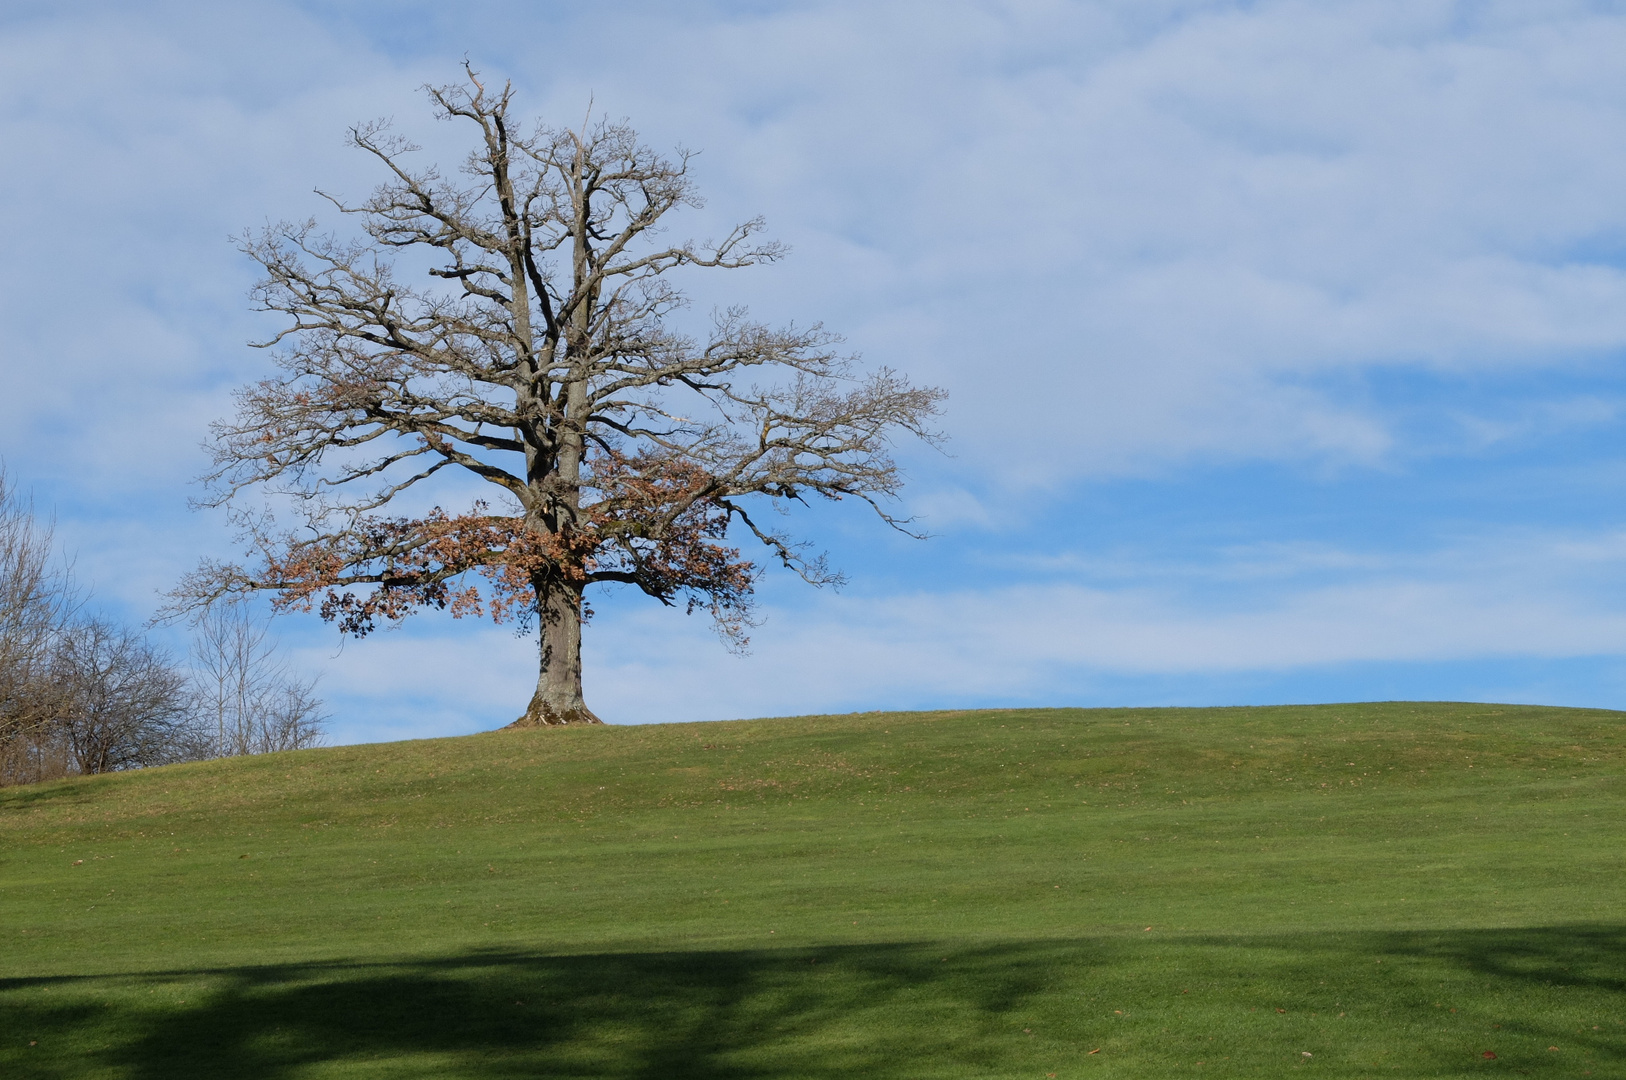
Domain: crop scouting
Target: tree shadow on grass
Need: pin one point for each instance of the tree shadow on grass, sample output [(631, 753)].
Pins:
[(1586, 957), (713, 1014), (909, 1009)]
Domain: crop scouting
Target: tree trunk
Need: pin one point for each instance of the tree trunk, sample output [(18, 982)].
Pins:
[(558, 697)]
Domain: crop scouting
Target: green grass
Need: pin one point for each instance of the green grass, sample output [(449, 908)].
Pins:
[(1349, 891)]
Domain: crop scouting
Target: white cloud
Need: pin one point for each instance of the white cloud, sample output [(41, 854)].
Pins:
[(1507, 597), (1123, 235), (1128, 257)]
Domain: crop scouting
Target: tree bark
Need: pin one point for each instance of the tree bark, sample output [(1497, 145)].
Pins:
[(558, 698)]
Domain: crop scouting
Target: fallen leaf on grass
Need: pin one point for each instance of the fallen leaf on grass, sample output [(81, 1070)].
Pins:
[(1488, 1055)]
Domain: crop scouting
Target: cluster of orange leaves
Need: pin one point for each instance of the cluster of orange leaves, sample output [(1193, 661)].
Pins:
[(652, 521)]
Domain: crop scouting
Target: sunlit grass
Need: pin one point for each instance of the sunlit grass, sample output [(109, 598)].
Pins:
[(950, 894)]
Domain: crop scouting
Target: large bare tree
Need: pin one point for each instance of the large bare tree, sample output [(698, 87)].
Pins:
[(543, 357)]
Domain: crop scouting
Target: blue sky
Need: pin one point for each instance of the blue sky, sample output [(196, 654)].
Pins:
[(1283, 340)]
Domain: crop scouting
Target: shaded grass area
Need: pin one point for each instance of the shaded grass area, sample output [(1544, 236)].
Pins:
[(950, 894), (1545, 1001)]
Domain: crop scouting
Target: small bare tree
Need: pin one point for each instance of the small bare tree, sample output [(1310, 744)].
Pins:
[(245, 699), (119, 702), (36, 602), (547, 365)]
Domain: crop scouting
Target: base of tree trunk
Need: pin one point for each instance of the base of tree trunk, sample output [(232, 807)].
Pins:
[(541, 714)]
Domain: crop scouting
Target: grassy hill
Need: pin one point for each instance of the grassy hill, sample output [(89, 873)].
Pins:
[(1393, 889)]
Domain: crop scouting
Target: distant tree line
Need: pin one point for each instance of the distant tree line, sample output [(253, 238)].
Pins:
[(82, 694)]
